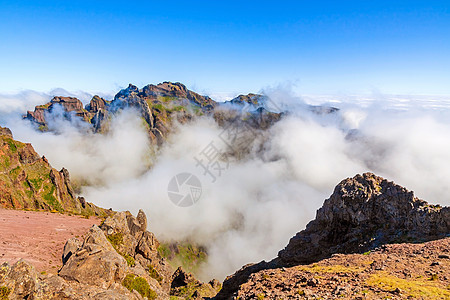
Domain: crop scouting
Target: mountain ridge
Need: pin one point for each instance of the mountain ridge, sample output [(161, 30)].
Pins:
[(159, 105)]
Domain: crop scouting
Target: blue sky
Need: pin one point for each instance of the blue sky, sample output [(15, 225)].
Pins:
[(321, 47)]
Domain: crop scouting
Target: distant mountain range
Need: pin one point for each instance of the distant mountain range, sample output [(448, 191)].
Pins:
[(162, 104), (159, 105)]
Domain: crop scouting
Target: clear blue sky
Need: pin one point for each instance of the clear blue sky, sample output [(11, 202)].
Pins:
[(322, 47)]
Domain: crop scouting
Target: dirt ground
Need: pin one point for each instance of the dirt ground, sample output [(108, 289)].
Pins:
[(397, 271), (39, 237)]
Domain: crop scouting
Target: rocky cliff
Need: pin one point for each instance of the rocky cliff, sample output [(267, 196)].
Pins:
[(363, 213), (71, 108), (28, 181), (160, 105), (118, 260)]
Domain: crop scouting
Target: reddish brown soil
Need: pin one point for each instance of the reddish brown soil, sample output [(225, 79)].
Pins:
[(398, 271), (38, 237)]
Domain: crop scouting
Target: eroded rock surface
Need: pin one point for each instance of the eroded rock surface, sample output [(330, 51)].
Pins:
[(395, 271), (363, 213), (118, 260), (28, 181)]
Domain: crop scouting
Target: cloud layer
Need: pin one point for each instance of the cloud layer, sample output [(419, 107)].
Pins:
[(257, 203)]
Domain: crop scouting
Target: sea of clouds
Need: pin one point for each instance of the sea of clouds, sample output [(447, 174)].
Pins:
[(257, 203)]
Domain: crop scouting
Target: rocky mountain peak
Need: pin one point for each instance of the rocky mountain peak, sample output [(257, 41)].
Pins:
[(96, 104), (256, 100), (71, 107), (69, 103), (5, 131), (365, 212), (165, 89), (129, 91)]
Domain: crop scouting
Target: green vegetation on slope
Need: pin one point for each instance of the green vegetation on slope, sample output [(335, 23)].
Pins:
[(4, 292), (416, 289), (116, 240), (28, 181), (154, 273), (139, 284), (187, 255)]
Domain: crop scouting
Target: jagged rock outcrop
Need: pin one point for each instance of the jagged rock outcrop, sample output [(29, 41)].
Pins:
[(97, 104), (130, 238), (165, 91), (185, 285), (28, 181), (254, 100), (6, 132), (131, 97), (95, 262), (134, 240), (363, 213), (71, 107), (118, 260), (161, 104), (21, 281)]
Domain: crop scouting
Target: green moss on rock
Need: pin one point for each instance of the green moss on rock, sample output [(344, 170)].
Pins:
[(116, 239), (139, 284), (154, 273), (4, 292)]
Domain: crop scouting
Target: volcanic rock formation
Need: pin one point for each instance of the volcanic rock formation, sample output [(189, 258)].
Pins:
[(159, 105), (363, 213), (118, 260)]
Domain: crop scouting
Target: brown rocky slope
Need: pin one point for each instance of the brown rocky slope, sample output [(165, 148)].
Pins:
[(28, 181), (395, 271), (118, 260), (363, 213)]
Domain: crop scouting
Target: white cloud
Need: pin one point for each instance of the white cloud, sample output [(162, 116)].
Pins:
[(260, 202)]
